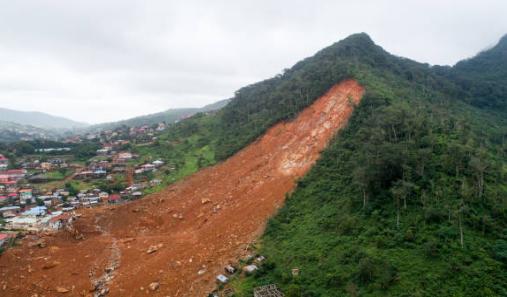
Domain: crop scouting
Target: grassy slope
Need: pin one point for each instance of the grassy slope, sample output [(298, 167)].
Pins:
[(187, 147)]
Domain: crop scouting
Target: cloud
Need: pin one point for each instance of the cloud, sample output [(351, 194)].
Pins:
[(98, 61)]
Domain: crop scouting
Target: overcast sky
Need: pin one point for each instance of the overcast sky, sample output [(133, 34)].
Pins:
[(106, 60)]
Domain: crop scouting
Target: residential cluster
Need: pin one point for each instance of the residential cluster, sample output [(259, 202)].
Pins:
[(40, 192), (142, 134), (26, 208)]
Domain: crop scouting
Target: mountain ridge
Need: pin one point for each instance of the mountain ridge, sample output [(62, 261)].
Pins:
[(39, 119), (169, 116)]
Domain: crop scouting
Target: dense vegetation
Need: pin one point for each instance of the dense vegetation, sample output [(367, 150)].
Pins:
[(186, 147), (410, 200)]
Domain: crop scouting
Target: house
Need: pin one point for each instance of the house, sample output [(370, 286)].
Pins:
[(12, 197), (114, 198), (9, 177), (5, 237), (9, 211), (148, 167), (103, 151), (222, 279), (250, 268), (90, 201), (22, 222), (230, 269), (155, 182), (25, 196), (4, 162), (15, 174), (36, 211), (161, 127), (57, 162), (137, 194), (5, 180), (57, 222), (103, 196), (84, 175), (99, 173), (124, 157), (46, 166), (4, 200), (158, 163)]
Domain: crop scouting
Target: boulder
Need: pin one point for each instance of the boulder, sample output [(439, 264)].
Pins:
[(154, 286), (62, 290)]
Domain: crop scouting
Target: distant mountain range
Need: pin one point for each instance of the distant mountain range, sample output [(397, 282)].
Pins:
[(11, 132), (38, 119), (168, 116), (22, 125)]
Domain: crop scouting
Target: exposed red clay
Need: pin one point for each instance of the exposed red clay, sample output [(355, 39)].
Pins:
[(198, 224)]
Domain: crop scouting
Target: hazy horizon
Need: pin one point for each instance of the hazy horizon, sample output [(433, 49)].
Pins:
[(95, 61)]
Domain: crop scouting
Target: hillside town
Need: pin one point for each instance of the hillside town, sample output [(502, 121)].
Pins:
[(41, 192)]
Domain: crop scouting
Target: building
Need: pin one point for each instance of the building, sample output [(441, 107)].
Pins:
[(25, 196), (36, 211), (250, 268), (114, 198), (148, 167), (124, 157), (46, 166), (5, 237), (9, 211), (5, 180), (22, 223), (15, 174), (268, 291), (57, 222), (4, 162), (103, 196), (84, 175)]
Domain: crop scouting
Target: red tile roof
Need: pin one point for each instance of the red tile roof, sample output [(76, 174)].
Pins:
[(6, 235), (114, 197)]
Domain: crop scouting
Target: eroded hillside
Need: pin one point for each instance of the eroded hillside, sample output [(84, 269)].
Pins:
[(183, 236)]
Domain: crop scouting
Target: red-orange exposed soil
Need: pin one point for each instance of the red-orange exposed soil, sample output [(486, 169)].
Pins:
[(196, 225)]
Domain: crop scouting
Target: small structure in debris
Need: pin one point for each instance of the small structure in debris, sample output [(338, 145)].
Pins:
[(260, 259), (268, 291), (250, 268), (230, 269), (222, 279), (229, 292)]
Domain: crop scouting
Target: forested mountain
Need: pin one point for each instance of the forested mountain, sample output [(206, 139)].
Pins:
[(38, 119), (409, 200)]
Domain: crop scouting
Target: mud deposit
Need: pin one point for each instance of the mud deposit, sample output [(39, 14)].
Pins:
[(198, 224)]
